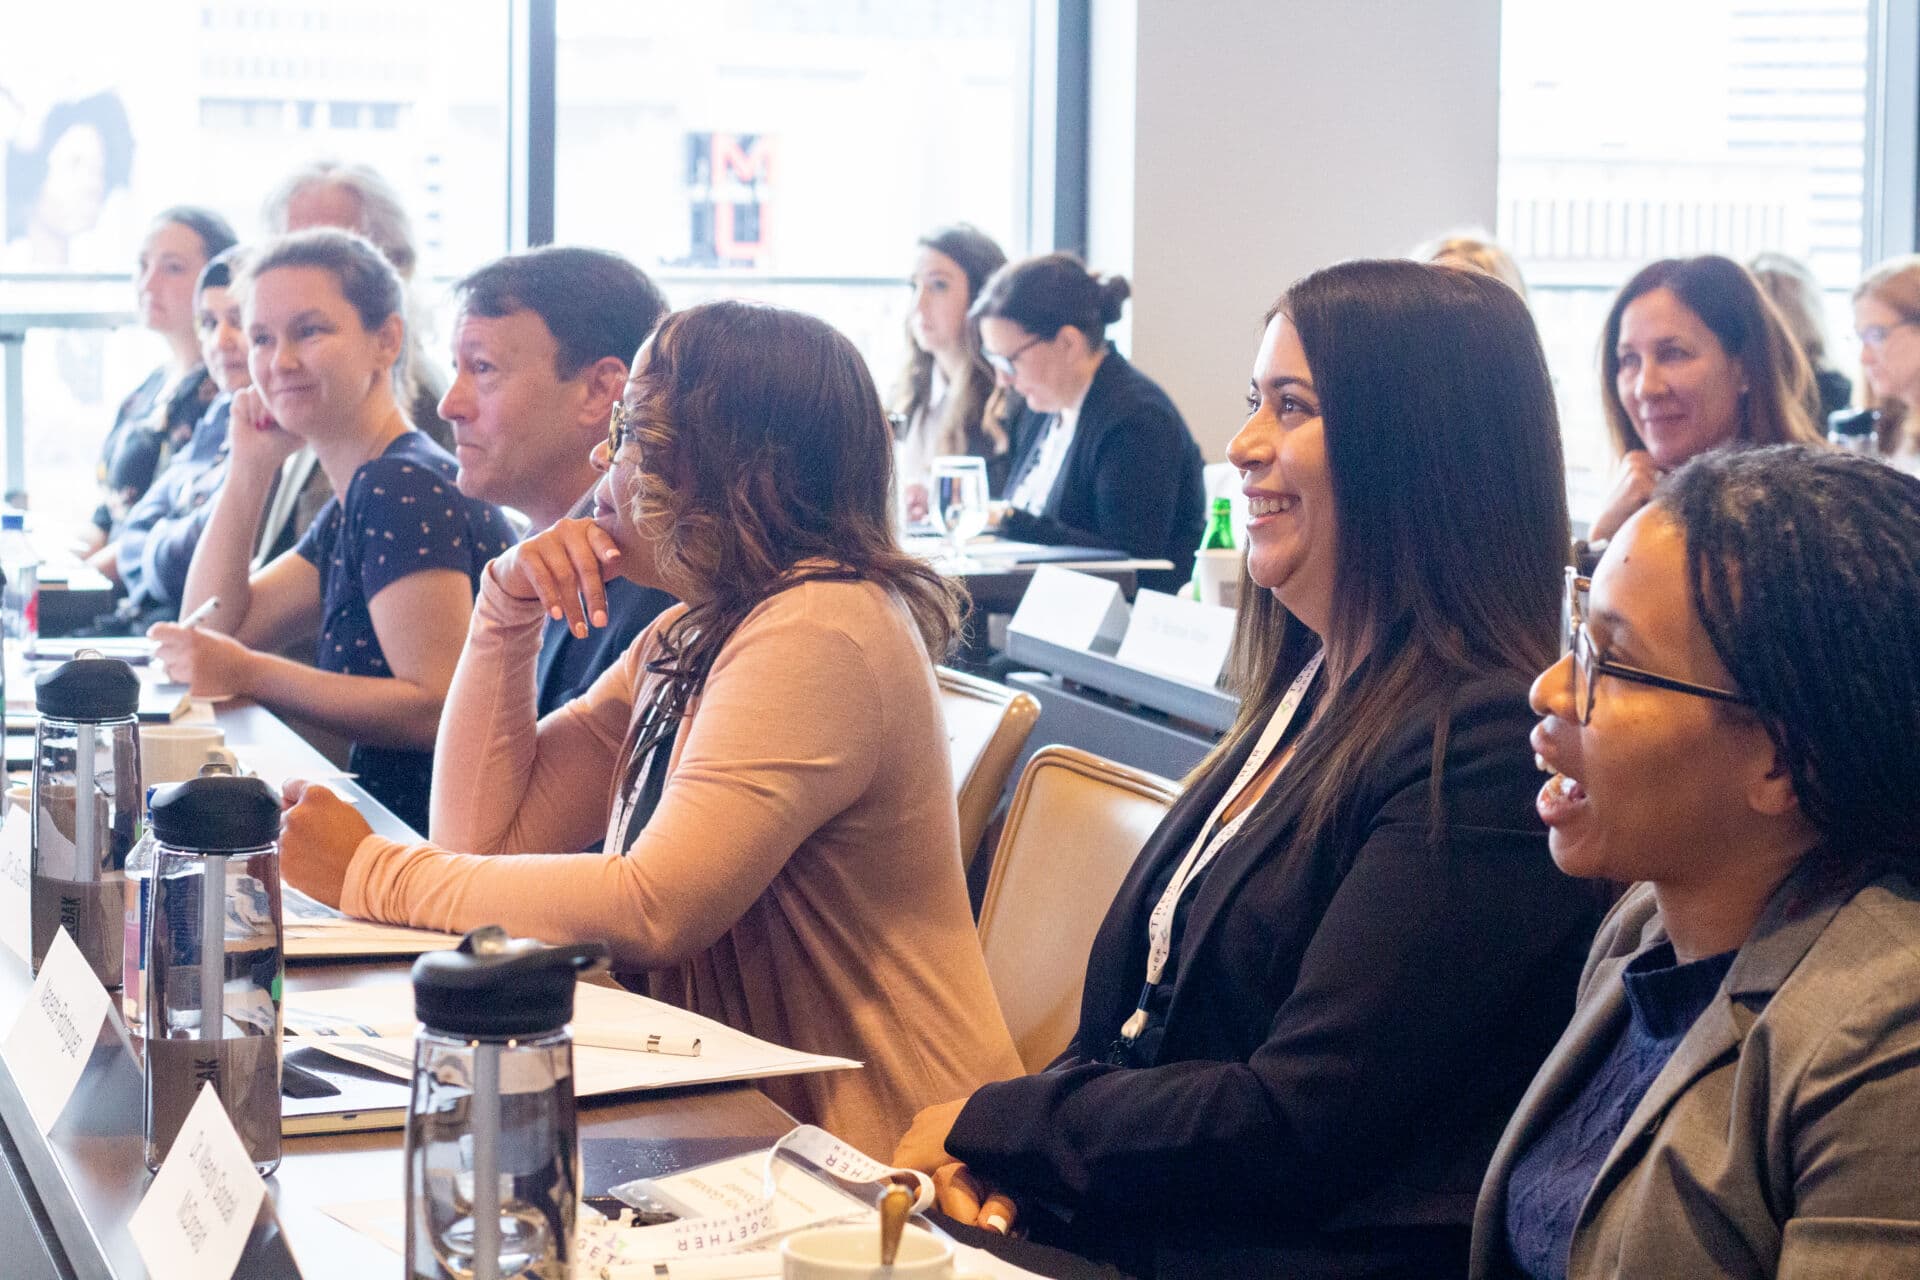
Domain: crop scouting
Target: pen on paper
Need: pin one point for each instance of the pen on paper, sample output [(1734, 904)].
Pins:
[(201, 614), (636, 1041)]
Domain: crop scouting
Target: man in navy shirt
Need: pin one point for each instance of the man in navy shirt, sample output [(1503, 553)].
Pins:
[(541, 345)]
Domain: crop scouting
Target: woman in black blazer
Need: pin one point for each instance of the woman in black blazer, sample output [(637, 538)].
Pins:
[(1372, 950), (1101, 458)]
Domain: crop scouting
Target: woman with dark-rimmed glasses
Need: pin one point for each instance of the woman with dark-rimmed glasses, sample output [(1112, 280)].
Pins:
[(1733, 727)]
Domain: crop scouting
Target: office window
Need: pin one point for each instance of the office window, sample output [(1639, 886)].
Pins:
[(160, 104), (788, 151), (1724, 126)]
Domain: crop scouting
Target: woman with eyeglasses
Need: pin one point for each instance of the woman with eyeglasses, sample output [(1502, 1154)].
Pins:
[(1101, 458), (1886, 316), (1693, 357), (768, 764), (1322, 986), (946, 402), (1733, 728), (385, 576)]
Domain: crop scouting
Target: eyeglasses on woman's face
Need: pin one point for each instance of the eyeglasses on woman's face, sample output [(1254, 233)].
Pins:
[(1004, 363), (1876, 335), (620, 428), (1589, 663)]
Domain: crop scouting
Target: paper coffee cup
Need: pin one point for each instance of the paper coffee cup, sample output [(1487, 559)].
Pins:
[(852, 1252), (175, 752), (1217, 574)]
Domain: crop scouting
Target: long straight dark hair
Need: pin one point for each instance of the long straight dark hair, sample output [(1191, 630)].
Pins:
[(1449, 501)]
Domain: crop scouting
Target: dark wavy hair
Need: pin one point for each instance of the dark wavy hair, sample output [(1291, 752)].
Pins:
[(1450, 508), (1804, 568), (1781, 405), (764, 453)]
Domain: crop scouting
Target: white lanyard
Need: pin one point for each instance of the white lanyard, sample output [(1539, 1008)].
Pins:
[(1201, 855)]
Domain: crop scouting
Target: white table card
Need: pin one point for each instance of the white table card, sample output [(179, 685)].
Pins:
[(1074, 610), (54, 1035), (16, 853), (1178, 638), (194, 1220)]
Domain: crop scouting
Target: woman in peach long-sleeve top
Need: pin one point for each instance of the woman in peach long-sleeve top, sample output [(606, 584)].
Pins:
[(783, 851)]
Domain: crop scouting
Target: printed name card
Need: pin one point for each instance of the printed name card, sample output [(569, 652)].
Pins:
[(1178, 638), (1074, 610), (16, 853), (195, 1218), (54, 1035)]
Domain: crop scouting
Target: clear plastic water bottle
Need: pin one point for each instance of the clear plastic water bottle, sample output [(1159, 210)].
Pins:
[(20, 597), (139, 888), (493, 1158), (215, 962)]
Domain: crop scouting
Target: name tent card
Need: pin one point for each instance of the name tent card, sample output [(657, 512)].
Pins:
[(54, 1034), (194, 1220), (1073, 610), (1178, 638), (16, 852)]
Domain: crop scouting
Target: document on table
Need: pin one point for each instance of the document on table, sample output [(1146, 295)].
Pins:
[(315, 930), (275, 764), (373, 1027)]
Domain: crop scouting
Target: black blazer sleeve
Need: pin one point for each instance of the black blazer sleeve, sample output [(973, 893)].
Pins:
[(1132, 475), (1432, 986)]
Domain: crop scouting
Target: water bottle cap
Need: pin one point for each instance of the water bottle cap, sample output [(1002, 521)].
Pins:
[(13, 520), (88, 687), (494, 986), (216, 814)]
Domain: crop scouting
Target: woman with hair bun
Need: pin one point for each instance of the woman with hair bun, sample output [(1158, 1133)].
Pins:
[(1101, 456)]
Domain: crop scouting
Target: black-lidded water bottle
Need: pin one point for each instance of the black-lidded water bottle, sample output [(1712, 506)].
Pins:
[(493, 1157), (86, 808), (215, 960)]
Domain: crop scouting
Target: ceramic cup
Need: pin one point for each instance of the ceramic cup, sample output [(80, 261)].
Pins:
[(852, 1252), (175, 752)]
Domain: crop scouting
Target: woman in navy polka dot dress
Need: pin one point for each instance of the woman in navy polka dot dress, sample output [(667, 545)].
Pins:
[(385, 577)]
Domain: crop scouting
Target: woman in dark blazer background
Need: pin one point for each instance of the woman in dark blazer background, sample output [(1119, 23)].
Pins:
[(1101, 458), (1366, 966)]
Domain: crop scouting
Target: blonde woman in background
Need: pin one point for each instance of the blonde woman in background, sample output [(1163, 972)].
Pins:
[(1886, 316), (1473, 251), (1790, 286)]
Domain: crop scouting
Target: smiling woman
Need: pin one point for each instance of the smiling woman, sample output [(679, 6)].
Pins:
[(1694, 357), (386, 574), (1314, 999)]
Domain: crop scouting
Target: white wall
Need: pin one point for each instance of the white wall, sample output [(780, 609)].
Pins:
[(1271, 137)]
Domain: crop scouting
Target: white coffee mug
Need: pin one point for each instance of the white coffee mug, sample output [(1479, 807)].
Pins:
[(175, 752), (852, 1252)]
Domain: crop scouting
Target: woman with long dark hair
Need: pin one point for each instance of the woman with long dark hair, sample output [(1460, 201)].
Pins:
[(1733, 727), (768, 763), (945, 403), (1318, 993), (1694, 357)]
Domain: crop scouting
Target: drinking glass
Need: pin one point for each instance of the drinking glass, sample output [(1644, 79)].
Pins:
[(958, 501)]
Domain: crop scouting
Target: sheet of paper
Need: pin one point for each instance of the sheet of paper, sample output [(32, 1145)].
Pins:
[(55, 1031), (351, 1021), (276, 763), (16, 852), (193, 1222), (1181, 639), (315, 930), (383, 1221)]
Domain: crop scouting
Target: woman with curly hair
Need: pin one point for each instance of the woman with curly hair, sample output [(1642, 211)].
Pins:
[(768, 764)]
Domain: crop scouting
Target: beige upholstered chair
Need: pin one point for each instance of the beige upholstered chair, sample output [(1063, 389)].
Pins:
[(1076, 825), (987, 725)]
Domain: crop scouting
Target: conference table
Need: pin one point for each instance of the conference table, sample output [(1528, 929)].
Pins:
[(66, 1197), (996, 573)]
